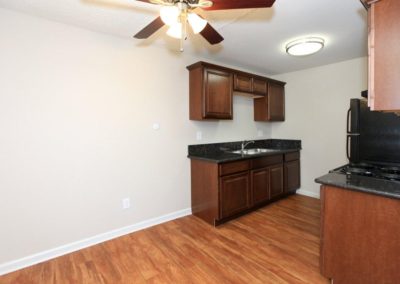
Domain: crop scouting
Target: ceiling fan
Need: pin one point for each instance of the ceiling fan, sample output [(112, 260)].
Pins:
[(177, 13)]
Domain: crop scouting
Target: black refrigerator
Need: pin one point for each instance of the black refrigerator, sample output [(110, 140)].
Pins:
[(372, 136)]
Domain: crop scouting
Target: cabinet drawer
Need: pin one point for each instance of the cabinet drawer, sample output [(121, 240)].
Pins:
[(233, 167), (292, 156), (267, 161)]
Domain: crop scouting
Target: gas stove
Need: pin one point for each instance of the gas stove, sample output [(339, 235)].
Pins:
[(379, 171)]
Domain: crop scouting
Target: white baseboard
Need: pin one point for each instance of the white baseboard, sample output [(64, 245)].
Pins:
[(81, 244), (308, 193)]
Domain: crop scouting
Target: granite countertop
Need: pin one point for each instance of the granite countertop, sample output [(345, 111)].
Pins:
[(386, 188), (220, 152)]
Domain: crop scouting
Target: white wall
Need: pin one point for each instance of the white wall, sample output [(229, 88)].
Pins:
[(76, 116), (316, 104)]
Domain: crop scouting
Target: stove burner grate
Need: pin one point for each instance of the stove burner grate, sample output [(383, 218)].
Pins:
[(386, 172), (391, 170), (389, 176), (360, 171)]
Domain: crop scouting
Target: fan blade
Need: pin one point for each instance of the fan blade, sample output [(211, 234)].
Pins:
[(150, 29), (239, 4), (211, 35)]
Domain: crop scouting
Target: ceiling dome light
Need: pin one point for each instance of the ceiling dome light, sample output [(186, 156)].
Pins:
[(169, 14), (305, 46)]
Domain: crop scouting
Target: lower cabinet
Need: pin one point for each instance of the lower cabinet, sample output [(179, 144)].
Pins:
[(292, 174), (292, 171), (234, 194), (224, 191), (260, 185), (360, 240), (276, 180), (267, 183)]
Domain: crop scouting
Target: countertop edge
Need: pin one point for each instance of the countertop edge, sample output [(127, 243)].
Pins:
[(238, 157), (328, 179)]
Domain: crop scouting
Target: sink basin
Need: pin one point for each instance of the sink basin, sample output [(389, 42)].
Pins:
[(254, 151)]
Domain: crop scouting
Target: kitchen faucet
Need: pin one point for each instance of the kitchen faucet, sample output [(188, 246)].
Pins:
[(245, 143)]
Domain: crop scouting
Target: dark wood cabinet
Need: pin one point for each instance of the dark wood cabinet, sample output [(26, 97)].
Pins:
[(292, 171), (360, 237), (276, 180), (384, 55), (210, 92), (211, 89), (292, 174), (260, 86), (267, 183), (272, 106), (260, 185), (251, 85), (234, 194), (243, 83), (223, 191)]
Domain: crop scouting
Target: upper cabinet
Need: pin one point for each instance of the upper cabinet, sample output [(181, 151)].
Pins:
[(272, 106), (260, 86), (210, 92), (212, 87), (250, 84), (384, 54), (242, 83)]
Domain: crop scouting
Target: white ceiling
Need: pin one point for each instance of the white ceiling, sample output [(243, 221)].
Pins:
[(254, 38)]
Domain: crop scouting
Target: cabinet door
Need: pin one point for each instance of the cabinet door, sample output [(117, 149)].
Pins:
[(276, 102), (384, 55), (260, 185), (276, 180), (234, 194), (242, 83), (272, 106), (217, 94), (292, 175), (260, 87)]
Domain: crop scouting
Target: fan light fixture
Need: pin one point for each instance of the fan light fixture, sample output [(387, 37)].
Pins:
[(177, 16), (169, 14), (305, 46), (196, 22), (175, 30)]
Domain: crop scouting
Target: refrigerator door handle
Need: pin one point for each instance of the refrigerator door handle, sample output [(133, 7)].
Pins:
[(349, 133), (348, 121), (348, 143)]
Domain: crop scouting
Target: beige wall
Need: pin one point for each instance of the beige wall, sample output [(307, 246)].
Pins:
[(76, 116), (316, 104)]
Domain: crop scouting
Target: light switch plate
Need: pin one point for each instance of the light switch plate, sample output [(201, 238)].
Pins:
[(126, 203), (199, 135), (156, 126)]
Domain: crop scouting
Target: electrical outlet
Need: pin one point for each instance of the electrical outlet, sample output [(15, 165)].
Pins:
[(260, 133), (126, 203)]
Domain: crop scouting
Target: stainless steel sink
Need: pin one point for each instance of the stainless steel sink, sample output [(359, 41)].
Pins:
[(254, 151)]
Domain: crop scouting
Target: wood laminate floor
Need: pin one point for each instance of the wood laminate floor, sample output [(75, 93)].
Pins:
[(276, 244)]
